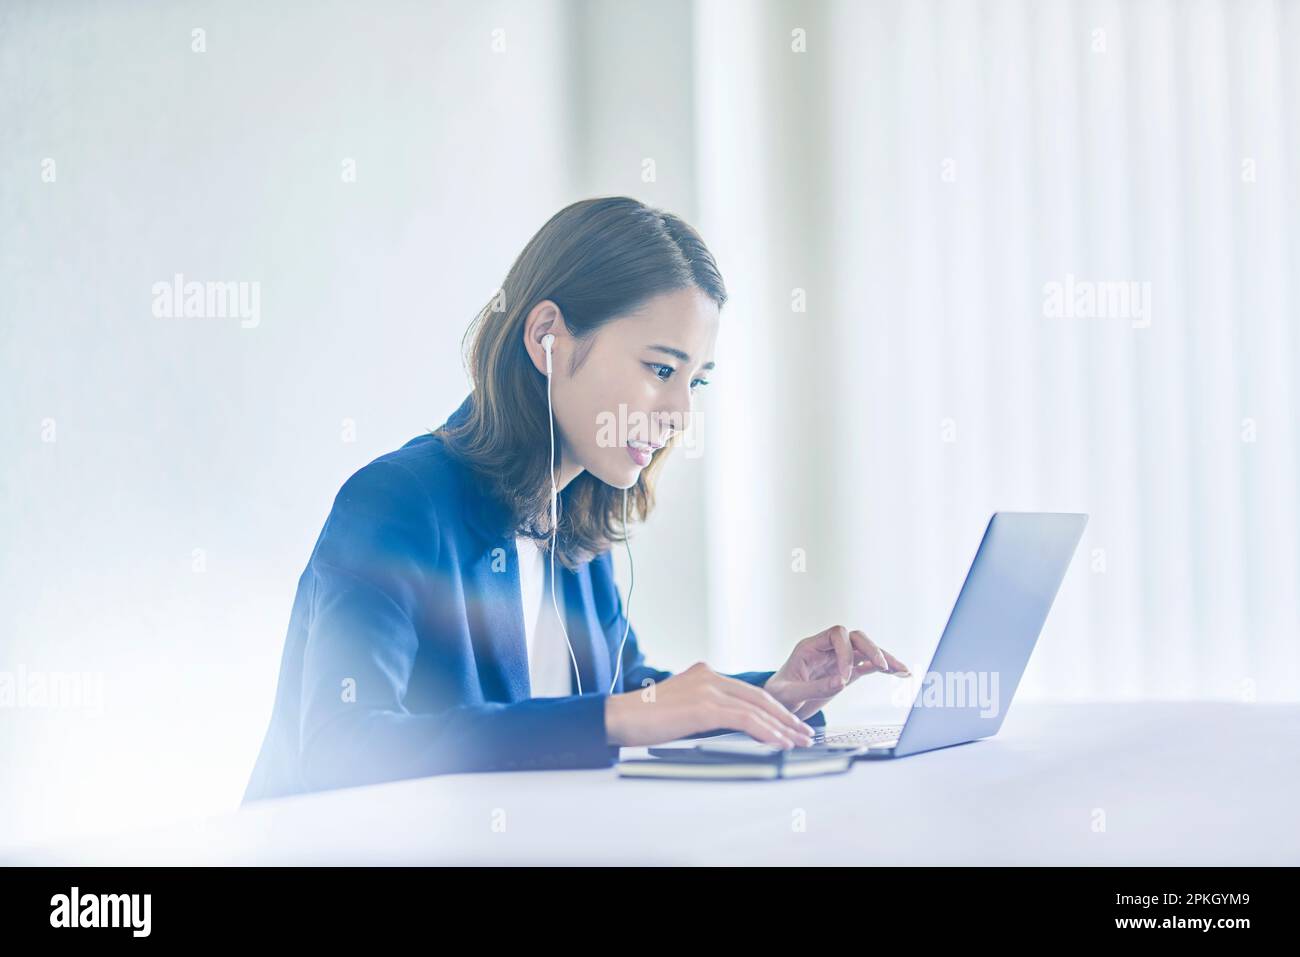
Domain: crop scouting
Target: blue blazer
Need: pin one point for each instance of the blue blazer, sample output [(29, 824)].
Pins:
[(405, 655)]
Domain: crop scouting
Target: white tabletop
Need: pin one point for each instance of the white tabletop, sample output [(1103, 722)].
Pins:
[(1124, 783)]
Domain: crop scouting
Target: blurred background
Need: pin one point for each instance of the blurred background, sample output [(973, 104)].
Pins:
[(900, 197)]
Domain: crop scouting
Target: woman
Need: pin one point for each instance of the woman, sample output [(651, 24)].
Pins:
[(422, 640)]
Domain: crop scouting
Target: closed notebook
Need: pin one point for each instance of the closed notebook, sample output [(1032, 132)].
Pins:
[(712, 765)]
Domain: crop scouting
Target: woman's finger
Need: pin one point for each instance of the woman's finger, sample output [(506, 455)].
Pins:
[(865, 666), (895, 666), (843, 648), (756, 723), (760, 698), (867, 648)]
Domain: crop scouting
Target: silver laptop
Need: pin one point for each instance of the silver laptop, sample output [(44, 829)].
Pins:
[(999, 613)]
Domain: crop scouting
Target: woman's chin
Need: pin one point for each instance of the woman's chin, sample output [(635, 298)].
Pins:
[(623, 476), (627, 480)]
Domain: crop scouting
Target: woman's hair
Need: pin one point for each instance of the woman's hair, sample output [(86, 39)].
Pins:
[(597, 260)]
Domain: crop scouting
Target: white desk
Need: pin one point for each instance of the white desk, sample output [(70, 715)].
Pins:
[(1179, 784)]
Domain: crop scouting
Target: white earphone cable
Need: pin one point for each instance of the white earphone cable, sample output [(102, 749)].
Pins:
[(627, 609), (547, 340)]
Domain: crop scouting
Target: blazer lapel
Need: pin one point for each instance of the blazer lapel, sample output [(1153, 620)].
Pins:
[(499, 641), (585, 632)]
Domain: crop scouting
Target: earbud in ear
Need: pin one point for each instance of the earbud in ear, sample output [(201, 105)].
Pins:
[(547, 341)]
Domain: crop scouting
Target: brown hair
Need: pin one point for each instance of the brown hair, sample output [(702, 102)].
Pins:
[(597, 259)]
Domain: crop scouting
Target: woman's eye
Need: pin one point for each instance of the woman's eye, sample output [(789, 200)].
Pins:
[(657, 367)]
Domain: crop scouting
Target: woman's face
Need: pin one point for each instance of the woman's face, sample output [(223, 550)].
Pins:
[(634, 389)]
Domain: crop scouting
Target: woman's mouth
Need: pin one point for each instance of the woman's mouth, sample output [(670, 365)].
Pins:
[(641, 452)]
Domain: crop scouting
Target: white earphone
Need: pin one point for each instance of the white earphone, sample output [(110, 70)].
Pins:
[(548, 340)]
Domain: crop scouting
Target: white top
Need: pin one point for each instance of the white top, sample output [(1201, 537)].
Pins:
[(550, 671)]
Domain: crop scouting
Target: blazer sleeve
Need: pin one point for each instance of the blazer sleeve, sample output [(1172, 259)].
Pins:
[(376, 570), (636, 673)]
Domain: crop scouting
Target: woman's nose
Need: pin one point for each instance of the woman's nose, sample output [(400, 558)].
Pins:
[(671, 421)]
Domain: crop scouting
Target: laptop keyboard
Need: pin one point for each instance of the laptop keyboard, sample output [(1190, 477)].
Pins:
[(871, 735)]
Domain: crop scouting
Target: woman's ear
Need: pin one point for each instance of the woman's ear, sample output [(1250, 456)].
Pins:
[(542, 320)]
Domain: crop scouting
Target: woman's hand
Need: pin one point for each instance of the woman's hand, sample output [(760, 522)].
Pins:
[(696, 700), (822, 666)]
